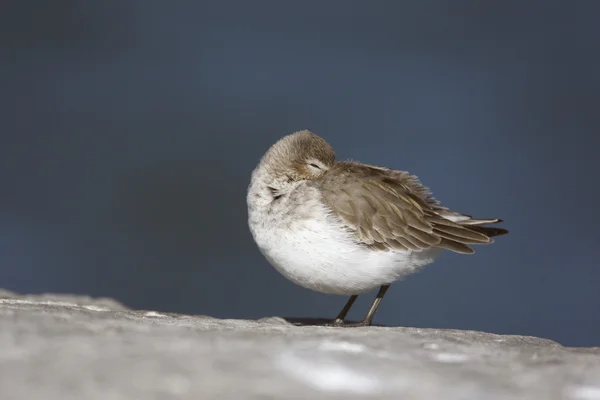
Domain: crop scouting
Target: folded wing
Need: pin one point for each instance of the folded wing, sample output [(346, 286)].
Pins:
[(392, 210)]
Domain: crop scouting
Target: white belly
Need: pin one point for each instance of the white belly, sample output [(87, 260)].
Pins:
[(317, 254)]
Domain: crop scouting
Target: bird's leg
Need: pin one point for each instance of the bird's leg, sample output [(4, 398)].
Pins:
[(368, 320), (339, 320)]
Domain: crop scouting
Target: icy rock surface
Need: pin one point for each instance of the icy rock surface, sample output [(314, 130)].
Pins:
[(71, 347)]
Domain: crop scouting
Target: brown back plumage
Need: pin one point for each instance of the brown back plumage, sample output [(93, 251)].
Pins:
[(388, 209)]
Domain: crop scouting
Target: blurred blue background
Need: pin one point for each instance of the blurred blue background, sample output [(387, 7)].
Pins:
[(129, 130)]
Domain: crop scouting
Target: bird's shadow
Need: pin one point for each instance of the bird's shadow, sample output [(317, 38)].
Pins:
[(320, 322)]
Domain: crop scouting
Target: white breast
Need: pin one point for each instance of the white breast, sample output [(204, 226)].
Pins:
[(310, 247)]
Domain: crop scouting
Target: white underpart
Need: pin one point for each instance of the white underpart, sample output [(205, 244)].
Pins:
[(311, 248)]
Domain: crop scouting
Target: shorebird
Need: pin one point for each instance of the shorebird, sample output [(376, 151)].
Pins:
[(347, 228)]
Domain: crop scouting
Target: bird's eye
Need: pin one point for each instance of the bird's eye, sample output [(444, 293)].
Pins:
[(314, 165)]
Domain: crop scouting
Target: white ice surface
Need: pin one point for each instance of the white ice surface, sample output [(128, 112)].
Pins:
[(69, 347)]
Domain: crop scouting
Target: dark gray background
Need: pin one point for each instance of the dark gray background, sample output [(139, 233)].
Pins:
[(129, 130)]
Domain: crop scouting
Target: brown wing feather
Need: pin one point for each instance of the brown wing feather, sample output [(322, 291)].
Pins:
[(388, 209)]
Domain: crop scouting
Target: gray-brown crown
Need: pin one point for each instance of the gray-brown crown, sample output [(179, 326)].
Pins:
[(300, 156)]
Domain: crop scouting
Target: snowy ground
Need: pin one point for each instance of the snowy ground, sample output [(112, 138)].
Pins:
[(69, 347)]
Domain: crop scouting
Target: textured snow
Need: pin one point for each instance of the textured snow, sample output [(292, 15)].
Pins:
[(71, 347)]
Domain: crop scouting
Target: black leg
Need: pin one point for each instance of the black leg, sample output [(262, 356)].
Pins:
[(375, 305), (371, 313), (339, 320)]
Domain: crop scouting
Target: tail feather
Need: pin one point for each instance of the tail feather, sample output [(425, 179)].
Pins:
[(489, 231), (457, 247), (466, 219), (480, 221), (457, 240)]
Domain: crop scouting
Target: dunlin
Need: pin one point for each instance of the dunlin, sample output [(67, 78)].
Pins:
[(347, 228)]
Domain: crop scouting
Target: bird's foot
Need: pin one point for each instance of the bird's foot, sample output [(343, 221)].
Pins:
[(340, 323)]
